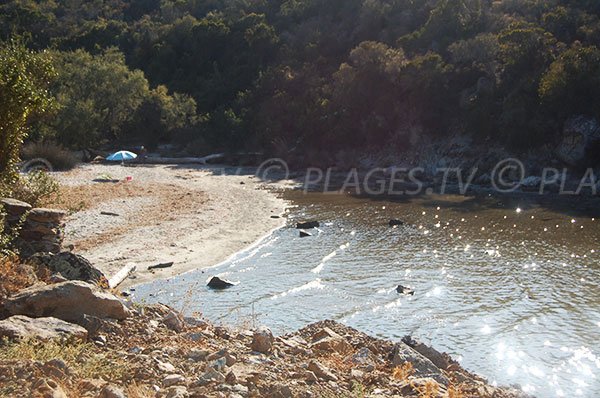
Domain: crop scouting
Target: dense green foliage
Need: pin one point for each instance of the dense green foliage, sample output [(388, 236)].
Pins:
[(24, 77), (297, 74)]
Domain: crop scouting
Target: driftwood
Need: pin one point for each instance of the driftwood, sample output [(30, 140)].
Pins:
[(121, 275), (108, 213), (160, 266)]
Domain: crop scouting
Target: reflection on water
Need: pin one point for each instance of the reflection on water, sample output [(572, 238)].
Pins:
[(509, 289)]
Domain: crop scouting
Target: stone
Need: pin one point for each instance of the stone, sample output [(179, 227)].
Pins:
[(56, 368), (211, 375), (165, 367), (48, 388), (14, 207), (173, 379), (394, 222), (423, 367), (231, 378), (262, 340), (174, 321), (68, 301), (308, 225), (332, 344), (304, 234), (112, 391), (219, 284), (20, 327), (70, 266), (46, 215), (219, 364), (177, 392), (321, 371), (280, 391), (405, 290), (437, 358), (197, 355)]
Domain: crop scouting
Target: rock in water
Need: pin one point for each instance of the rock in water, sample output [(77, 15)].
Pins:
[(405, 290), (393, 222), (304, 234), (20, 327), (308, 225), (71, 266), (262, 340), (218, 283), (68, 301)]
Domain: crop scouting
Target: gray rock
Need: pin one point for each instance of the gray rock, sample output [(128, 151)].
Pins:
[(219, 284), (211, 375), (197, 355), (20, 327), (70, 266), (177, 392), (111, 391), (423, 367), (262, 340), (68, 301), (437, 358)]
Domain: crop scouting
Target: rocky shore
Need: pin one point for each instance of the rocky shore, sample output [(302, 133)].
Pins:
[(75, 339)]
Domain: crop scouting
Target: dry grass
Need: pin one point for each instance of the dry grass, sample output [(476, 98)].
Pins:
[(403, 372), (84, 359), (455, 391), (430, 389), (15, 275)]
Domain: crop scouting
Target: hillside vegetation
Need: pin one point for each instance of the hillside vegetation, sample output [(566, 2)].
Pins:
[(284, 75)]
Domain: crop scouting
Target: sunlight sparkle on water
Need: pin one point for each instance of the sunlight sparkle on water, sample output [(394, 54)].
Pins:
[(519, 210)]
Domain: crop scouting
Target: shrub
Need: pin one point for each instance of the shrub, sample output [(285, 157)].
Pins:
[(58, 157), (34, 187), (15, 275)]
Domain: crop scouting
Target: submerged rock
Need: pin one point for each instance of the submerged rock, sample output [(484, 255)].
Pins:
[(304, 234), (405, 290), (394, 222), (218, 283), (308, 225)]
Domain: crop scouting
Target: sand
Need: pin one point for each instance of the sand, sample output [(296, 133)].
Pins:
[(195, 217)]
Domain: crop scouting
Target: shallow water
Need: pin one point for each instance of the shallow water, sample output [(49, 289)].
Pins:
[(509, 287)]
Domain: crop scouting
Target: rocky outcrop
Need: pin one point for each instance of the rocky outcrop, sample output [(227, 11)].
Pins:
[(41, 230), (422, 366), (20, 327), (70, 266), (580, 146), (68, 301)]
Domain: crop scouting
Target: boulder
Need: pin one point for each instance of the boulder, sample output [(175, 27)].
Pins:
[(262, 340), (394, 222), (581, 142), (405, 290), (71, 266), (423, 367), (438, 359), (68, 301), (20, 327), (308, 225), (219, 284)]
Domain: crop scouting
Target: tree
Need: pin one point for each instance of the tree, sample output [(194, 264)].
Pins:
[(24, 77)]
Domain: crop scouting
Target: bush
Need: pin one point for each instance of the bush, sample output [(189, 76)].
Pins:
[(34, 187), (58, 157)]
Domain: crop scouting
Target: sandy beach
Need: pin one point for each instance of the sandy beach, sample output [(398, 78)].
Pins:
[(193, 216)]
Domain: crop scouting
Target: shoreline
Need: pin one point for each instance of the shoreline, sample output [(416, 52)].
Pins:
[(208, 218)]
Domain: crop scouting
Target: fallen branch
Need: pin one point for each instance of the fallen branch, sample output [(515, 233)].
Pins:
[(121, 275)]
